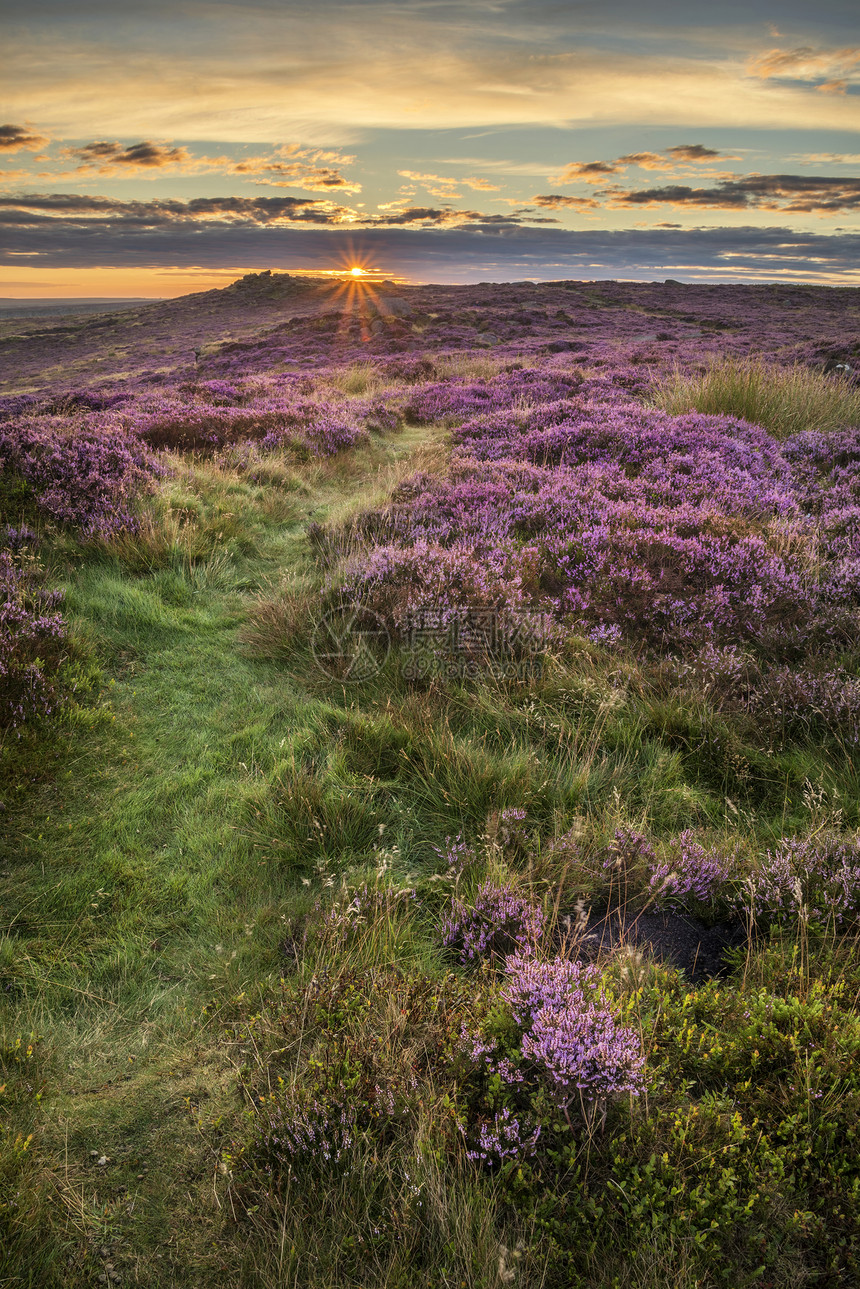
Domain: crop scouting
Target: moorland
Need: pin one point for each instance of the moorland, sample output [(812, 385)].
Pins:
[(430, 788)]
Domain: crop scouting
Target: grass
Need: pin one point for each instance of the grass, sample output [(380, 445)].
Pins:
[(171, 863), (784, 401)]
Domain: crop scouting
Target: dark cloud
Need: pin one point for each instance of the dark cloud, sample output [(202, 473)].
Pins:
[(16, 138), (795, 193), (558, 201), (694, 152), (59, 237), (445, 217), (116, 214), (284, 175), (588, 172), (107, 158)]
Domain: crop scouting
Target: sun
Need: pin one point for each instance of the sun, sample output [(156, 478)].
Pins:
[(358, 271)]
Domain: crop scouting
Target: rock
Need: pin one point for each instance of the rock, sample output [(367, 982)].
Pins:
[(564, 347), (390, 306)]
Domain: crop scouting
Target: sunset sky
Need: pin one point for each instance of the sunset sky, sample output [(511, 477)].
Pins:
[(169, 147)]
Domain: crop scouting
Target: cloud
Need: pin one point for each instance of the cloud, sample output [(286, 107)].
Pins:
[(296, 175), (834, 67), (113, 158), (802, 194), (588, 171), (696, 152), (437, 185), (828, 158), (558, 201), (290, 166), (60, 208), (435, 253), (678, 157), (16, 138), (378, 65), (115, 215)]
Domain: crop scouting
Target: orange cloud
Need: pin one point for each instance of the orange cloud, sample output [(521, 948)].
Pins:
[(600, 172), (832, 66), (16, 138)]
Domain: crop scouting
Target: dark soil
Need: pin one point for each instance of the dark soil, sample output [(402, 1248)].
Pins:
[(675, 938)]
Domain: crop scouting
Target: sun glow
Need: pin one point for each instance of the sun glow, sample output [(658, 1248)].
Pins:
[(358, 271)]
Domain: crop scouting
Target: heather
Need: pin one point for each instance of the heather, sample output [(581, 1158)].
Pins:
[(429, 790), (32, 635)]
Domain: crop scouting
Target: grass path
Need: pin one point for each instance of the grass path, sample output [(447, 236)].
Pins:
[(139, 892)]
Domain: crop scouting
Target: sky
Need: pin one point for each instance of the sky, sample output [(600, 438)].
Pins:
[(164, 148)]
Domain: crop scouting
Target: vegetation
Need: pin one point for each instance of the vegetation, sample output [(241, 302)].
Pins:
[(298, 976), (785, 402)]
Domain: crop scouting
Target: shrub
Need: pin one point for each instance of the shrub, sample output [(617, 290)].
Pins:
[(32, 635), (498, 922), (87, 475)]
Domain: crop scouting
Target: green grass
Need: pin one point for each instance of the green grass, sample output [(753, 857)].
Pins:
[(784, 400), (168, 859)]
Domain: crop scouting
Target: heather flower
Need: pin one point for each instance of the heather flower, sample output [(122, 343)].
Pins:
[(573, 1040), (505, 1137), (532, 985), (813, 881), (691, 873), (456, 854), (314, 1133), (32, 636), (499, 922), (88, 475), (584, 1051)]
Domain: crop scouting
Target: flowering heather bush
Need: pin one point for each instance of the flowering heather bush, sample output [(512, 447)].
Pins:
[(16, 539), (511, 832), (801, 699), (454, 401), (582, 1049), (806, 881), (85, 474), (505, 1137), (318, 1133), (457, 854), (499, 922), (32, 632), (532, 985), (273, 417), (574, 1041), (616, 517), (567, 1045), (691, 873)]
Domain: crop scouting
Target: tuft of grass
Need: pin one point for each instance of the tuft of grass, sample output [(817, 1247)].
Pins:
[(784, 400), (469, 365), (357, 378)]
